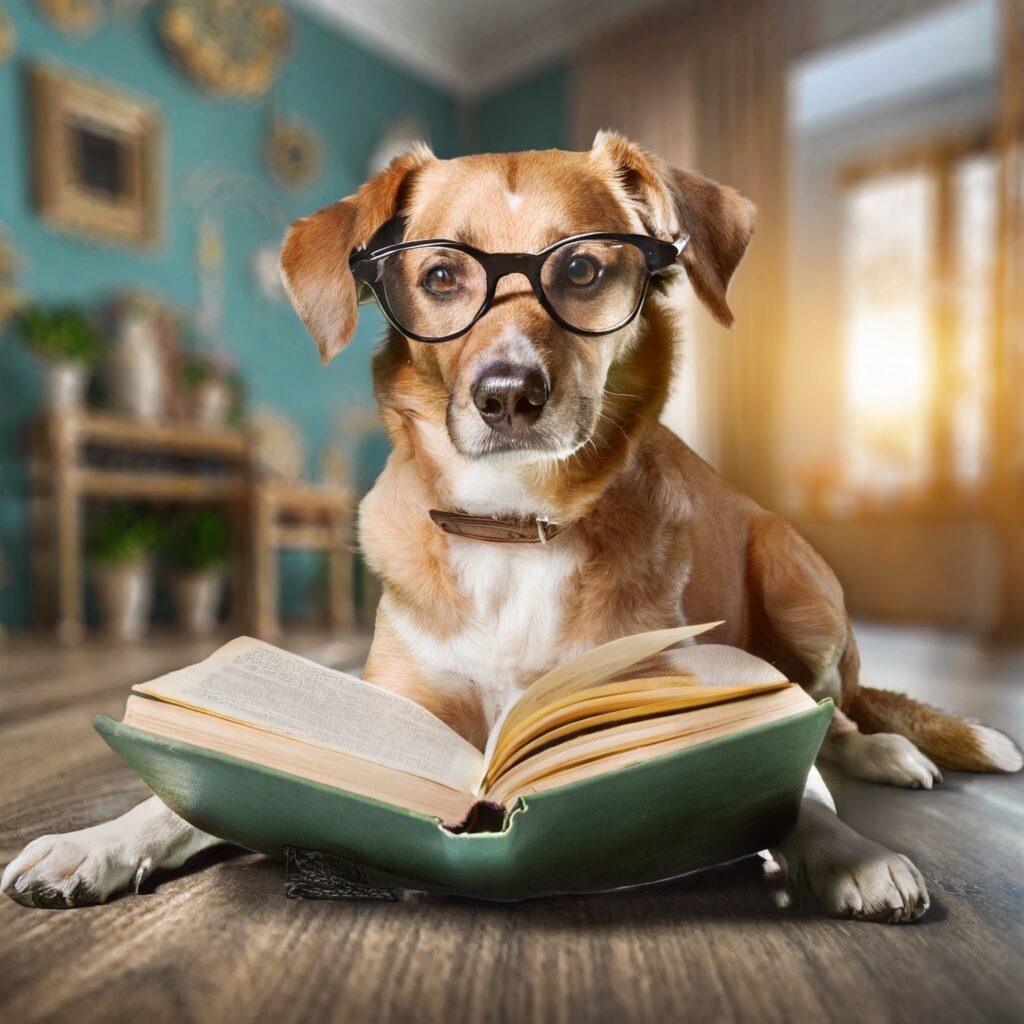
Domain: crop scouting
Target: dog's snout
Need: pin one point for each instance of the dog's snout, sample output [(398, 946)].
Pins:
[(510, 398)]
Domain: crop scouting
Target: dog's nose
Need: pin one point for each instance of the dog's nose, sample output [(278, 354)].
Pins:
[(510, 398)]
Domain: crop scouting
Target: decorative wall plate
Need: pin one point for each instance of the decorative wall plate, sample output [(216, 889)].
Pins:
[(79, 18), (294, 153), (231, 48)]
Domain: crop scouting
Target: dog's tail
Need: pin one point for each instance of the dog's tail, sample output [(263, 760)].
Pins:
[(950, 742)]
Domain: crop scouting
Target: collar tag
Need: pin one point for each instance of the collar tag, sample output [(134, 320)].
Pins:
[(542, 525)]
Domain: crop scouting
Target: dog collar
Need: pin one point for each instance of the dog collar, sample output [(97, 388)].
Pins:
[(529, 530)]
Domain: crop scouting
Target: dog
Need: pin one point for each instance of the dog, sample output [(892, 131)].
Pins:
[(538, 419)]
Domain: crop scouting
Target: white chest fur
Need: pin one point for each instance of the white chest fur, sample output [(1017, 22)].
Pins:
[(518, 594)]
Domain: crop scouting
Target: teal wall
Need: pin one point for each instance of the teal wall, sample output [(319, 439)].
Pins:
[(532, 114), (348, 96)]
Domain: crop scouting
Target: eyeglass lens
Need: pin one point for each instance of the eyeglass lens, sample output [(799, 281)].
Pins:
[(435, 291)]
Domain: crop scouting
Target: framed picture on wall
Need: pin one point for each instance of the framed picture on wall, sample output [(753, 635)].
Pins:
[(97, 159)]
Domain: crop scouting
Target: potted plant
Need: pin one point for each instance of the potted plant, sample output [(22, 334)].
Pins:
[(67, 343), (196, 548), (212, 387), (119, 542)]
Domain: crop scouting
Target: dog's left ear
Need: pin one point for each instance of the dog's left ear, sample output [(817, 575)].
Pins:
[(671, 202), (314, 257)]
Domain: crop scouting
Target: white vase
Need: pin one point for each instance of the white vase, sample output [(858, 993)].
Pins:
[(210, 403), (136, 377), (125, 595), (65, 385), (197, 597)]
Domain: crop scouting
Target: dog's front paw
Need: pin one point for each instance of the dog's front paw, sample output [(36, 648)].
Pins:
[(850, 876), (887, 758), (73, 870)]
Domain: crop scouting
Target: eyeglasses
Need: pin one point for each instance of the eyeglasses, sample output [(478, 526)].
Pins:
[(436, 290)]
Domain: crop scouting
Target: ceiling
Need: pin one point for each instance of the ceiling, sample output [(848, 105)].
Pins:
[(472, 47), (894, 66)]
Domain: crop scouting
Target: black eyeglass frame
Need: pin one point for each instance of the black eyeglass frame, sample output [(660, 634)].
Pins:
[(658, 254)]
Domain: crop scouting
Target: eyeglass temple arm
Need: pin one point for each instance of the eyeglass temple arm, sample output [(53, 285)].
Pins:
[(365, 295), (665, 263)]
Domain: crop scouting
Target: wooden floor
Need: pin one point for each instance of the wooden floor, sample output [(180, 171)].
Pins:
[(218, 941)]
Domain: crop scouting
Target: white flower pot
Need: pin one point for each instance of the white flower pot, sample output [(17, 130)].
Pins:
[(197, 597), (125, 595), (65, 385), (210, 403)]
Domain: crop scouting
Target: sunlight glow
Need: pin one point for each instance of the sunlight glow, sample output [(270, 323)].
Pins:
[(888, 243)]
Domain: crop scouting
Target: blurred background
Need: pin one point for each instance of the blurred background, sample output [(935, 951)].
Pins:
[(172, 452)]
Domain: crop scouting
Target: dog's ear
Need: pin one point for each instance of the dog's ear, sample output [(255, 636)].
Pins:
[(314, 257), (671, 202)]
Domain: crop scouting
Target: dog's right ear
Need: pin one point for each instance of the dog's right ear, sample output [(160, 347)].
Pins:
[(314, 257), (718, 219)]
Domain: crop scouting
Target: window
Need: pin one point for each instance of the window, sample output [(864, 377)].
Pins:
[(976, 186), (889, 247), (918, 244)]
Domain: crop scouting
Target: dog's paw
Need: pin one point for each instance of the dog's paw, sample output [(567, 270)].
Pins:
[(887, 758), (859, 879), (75, 869)]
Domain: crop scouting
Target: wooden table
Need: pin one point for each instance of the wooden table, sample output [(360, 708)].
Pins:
[(300, 517), (209, 466), (218, 941)]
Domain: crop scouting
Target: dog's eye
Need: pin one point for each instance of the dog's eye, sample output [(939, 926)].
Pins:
[(439, 280), (582, 270)]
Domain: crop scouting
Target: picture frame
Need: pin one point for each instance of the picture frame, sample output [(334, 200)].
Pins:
[(96, 159)]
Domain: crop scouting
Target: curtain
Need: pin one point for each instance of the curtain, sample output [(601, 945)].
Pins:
[(1008, 414), (703, 85)]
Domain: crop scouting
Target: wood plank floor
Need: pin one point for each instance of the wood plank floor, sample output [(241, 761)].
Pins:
[(218, 941)]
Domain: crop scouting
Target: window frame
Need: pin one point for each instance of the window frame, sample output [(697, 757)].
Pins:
[(942, 494)]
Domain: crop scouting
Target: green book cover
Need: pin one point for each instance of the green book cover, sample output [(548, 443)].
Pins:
[(650, 821)]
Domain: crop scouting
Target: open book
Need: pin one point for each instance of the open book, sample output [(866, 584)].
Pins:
[(251, 705)]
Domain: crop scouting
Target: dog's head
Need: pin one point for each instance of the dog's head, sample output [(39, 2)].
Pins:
[(517, 385)]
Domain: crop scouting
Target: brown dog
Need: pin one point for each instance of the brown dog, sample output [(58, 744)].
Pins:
[(522, 419)]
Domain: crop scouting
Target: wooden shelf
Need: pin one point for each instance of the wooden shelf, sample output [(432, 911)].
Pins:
[(171, 438), (64, 474), (102, 483), (301, 497), (304, 538)]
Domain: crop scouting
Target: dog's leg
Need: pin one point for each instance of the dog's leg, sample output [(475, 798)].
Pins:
[(88, 866), (802, 604), (879, 757), (391, 666), (845, 873)]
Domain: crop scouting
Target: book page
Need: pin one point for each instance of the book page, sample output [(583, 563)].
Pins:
[(598, 714), (253, 682), (632, 693), (722, 665), (588, 670), (596, 753), (298, 757)]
